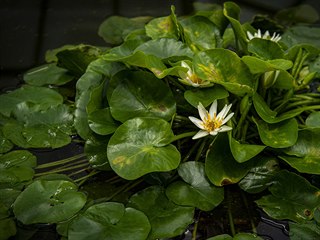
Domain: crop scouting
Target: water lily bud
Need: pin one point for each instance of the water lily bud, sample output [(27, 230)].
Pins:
[(304, 72), (244, 103), (269, 78)]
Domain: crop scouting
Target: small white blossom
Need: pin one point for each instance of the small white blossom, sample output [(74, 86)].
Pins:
[(275, 37), (191, 79), (211, 122)]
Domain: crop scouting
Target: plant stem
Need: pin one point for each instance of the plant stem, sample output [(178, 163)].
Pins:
[(199, 152), (85, 178), (77, 172), (181, 118), (244, 199), (62, 169), (195, 146), (183, 135), (195, 229), (230, 217), (63, 161)]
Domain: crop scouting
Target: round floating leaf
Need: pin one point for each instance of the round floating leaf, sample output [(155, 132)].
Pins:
[(16, 167), (165, 49), (305, 154), (265, 49), (278, 135), (243, 152), (162, 27), (257, 65), (141, 94), (260, 176), (307, 231), (196, 191), (301, 34), (205, 95), (166, 218), (48, 201), (313, 120), (96, 152), (101, 122), (42, 97), (142, 145), (220, 166), (5, 144), (48, 74), (215, 64), (109, 220), (200, 33), (7, 228), (239, 236), (293, 194)]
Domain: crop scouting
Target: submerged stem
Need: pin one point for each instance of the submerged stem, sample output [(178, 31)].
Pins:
[(60, 162), (62, 169)]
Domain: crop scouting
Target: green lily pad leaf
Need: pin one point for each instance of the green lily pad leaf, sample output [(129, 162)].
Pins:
[(16, 167), (308, 231), (49, 128), (7, 228), (205, 95), (115, 28), (239, 236), (48, 201), (141, 94), (278, 135), (260, 175), (141, 146), (101, 122), (269, 115), (215, 64), (166, 49), (77, 59), (265, 49), (166, 218), (196, 190), (284, 80), (162, 27), (257, 65), (293, 194), (96, 152), (243, 152), (8, 196), (5, 144), (109, 220), (313, 120), (89, 92), (48, 74), (200, 33), (232, 12), (304, 155), (301, 34), (43, 98), (220, 166), (13, 132)]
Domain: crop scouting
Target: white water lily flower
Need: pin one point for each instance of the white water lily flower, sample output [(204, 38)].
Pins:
[(211, 122), (191, 79), (275, 37)]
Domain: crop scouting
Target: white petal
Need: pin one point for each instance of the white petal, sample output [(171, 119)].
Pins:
[(227, 118), (200, 134), (259, 33), (250, 36), (213, 108), (202, 112), (197, 122), (266, 35), (225, 128), (224, 111), (185, 65), (227, 110), (213, 133)]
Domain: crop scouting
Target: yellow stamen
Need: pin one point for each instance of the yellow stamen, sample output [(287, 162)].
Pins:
[(212, 124), (194, 78)]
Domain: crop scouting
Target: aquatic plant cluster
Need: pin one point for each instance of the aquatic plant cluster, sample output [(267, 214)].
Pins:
[(177, 115)]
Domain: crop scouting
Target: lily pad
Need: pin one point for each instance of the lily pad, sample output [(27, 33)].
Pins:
[(142, 145), (5, 144), (162, 27), (265, 49), (48, 201), (313, 120), (16, 167), (205, 95), (196, 190), (166, 218), (307, 231), (238, 236), (260, 175), (293, 194), (101, 122), (7, 228), (304, 155), (42, 97), (220, 166), (109, 220), (48, 74), (214, 65), (141, 94), (278, 135)]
